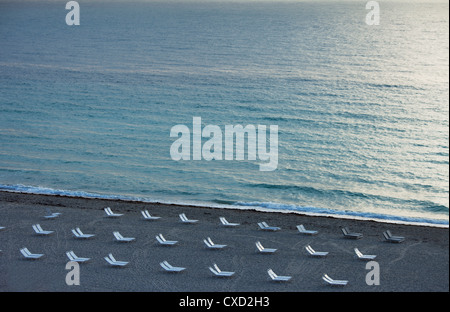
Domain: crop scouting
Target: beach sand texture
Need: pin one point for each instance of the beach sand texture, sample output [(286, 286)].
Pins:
[(420, 263)]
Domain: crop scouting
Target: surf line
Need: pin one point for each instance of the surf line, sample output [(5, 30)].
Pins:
[(226, 145)]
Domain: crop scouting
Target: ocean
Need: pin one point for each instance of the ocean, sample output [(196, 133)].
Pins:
[(362, 110)]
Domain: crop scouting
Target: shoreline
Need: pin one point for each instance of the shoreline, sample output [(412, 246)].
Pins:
[(130, 199), (420, 263)]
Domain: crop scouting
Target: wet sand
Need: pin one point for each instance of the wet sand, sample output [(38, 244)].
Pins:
[(419, 264)]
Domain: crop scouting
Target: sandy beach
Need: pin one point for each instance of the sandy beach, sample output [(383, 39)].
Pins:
[(418, 264)]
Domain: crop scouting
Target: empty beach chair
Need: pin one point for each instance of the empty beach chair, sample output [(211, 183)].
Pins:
[(333, 282), (38, 229), (276, 277), (350, 235), (264, 226), (111, 260), (169, 268), (120, 238), (226, 223), (27, 254), (160, 238), (111, 214), (301, 229), (314, 253), (262, 249), (217, 272), (147, 216), (2, 228), (209, 243), (72, 257), (391, 238), (361, 256), (78, 234), (51, 215), (184, 219)]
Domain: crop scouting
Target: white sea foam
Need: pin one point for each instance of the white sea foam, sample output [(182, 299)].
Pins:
[(263, 207)]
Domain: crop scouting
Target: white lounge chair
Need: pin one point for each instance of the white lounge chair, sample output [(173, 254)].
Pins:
[(217, 272), (38, 229), (226, 223), (51, 215), (78, 234), (265, 227), (111, 260), (209, 243), (302, 230), (333, 282), (184, 219), (314, 253), (361, 256), (160, 238), (278, 278), (351, 235), (147, 216), (120, 238), (27, 254), (169, 268), (2, 228), (111, 214), (391, 238), (262, 249), (72, 257)]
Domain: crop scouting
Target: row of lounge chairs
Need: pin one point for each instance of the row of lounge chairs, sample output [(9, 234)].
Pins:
[(210, 244), (148, 216), (314, 253), (78, 234), (358, 254), (110, 259), (264, 226)]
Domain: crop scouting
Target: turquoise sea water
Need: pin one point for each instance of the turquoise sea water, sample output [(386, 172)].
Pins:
[(362, 110)]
